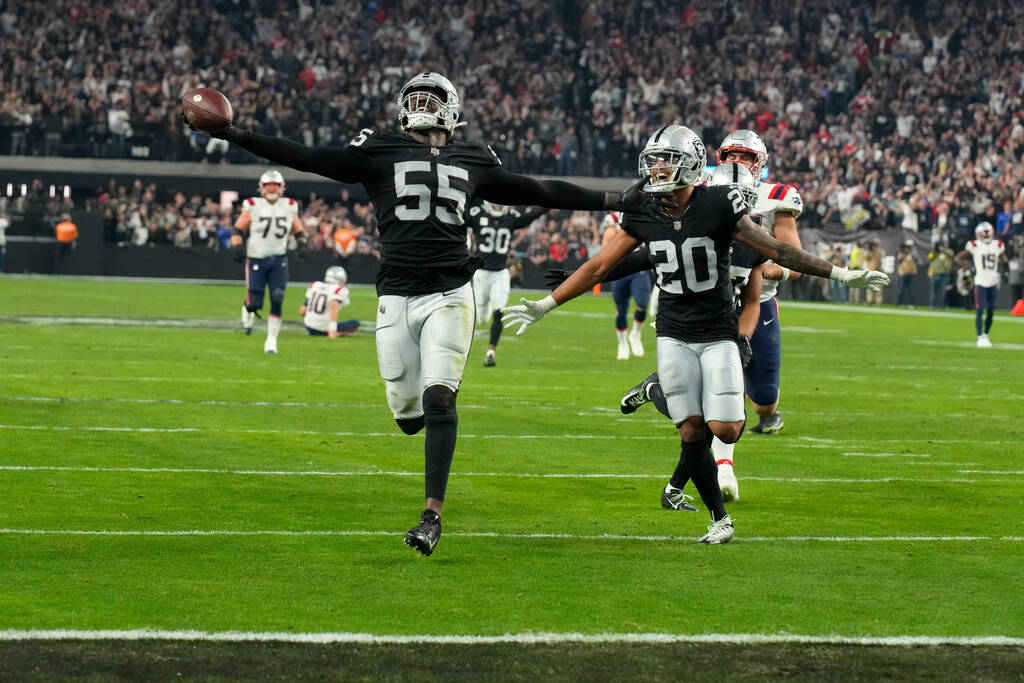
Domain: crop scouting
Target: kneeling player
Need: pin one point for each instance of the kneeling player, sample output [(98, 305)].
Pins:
[(324, 299)]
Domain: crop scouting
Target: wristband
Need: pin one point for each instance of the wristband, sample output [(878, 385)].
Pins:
[(332, 326), (548, 303), (839, 274), (613, 201)]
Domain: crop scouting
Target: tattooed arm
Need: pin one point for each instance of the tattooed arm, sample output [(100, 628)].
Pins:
[(797, 259)]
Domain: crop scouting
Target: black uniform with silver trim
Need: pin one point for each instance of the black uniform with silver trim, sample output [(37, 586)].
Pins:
[(691, 259), (493, 234)]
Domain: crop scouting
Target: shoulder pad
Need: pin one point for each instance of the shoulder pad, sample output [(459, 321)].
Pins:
[(477, 154), (972, 243), (250, 201), (312, 285), (1000, 244), (338, 290), (291, 201)]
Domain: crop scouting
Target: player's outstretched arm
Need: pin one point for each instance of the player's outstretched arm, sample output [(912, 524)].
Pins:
[(336, 163), (585, 277), (797, 259), (499, 186), (529, 216), (636, 261)]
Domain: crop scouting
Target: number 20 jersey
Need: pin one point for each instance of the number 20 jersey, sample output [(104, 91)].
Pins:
[(691, 259), (271, 224), (420, 193)]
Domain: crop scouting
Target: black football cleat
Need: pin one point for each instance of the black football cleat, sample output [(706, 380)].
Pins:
[(424, 536), (638, 395)]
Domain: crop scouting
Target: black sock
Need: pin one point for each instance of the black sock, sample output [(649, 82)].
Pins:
[(681, 475), (442, 426), (657, 397), (704, 473), (496, 328)]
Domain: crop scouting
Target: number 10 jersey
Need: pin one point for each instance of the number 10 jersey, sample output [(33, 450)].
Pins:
[(691, 259), (270, 226)]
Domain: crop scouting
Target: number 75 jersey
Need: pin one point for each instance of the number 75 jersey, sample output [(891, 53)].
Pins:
[(691, 259), (271, 224)]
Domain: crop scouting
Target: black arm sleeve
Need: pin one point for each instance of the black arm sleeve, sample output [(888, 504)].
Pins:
[(499, 186), (336, 163), (636, 261), (529, 216)]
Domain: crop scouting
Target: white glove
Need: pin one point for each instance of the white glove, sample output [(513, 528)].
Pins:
[(528, 313), (869, 279)]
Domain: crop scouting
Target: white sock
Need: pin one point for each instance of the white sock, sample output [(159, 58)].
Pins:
[(273, 327), (635, 331), (722, 451), (622, 336), (245, 314)]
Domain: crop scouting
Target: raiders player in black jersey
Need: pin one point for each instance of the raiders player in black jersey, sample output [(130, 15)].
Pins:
[(420, 181), (492, 226), (698, 360)]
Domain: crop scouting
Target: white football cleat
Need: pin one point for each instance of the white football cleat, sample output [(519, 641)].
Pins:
[(270, 346), (983, 342), (636, 344), (727, 482), (248, 319), (718, 533)]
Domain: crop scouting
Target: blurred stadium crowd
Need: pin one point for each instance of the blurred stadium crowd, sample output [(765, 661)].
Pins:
[(886, 115)]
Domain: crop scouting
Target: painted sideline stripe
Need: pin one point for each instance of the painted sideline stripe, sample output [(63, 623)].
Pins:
[(495, 534), (530, 638), (513, 475)]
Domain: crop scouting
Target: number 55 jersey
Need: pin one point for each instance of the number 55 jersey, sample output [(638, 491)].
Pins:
[(691, 258), (271, 224), (420, 193)]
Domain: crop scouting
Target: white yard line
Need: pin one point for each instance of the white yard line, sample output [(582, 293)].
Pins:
[(510, 475), (530, 638), (494, 534)]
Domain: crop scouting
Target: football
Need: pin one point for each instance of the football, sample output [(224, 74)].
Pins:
[(207, 109)]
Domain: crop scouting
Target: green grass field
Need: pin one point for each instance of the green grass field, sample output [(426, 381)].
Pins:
[(158, 471)]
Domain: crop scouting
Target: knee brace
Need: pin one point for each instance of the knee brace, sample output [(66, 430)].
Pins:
[(412, 425), (438, 402), (276, 301)]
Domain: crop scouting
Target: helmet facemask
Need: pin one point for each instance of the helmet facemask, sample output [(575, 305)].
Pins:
[(668, 170), (429, 101)]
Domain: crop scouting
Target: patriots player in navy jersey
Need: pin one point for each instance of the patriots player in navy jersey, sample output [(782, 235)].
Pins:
[(492, 226), (420, 181), (699, 362)]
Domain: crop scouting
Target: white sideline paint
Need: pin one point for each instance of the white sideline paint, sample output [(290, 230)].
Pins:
[(530, 638), (494, 534), (511, 475), (887, 455)]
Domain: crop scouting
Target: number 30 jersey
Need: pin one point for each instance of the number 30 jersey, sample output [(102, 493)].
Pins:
[(271, 223), (691, 259), (420, 194)]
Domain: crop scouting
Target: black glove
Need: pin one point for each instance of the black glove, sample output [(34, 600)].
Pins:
[(554, 277), (746, 353), (238, 252), (300, 248), (632, 200)]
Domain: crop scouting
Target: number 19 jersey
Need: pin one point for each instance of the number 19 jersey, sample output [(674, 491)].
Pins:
[(271, 223), (691, 258)]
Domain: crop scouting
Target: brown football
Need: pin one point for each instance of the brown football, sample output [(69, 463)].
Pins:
[(207, 109)]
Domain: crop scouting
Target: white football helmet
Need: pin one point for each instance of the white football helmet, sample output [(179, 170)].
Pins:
[(429, 100), (336, 275), (673, 157), (985, 232), (495, 210), (271, 177), (745, 141), (736, 175)]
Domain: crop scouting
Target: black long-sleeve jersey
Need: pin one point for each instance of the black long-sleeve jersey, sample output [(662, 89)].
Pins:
[(420, 193), (493, 234), (691, 258)]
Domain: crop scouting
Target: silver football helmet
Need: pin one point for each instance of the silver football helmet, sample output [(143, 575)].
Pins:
[(271, 177), (429, 100), (673, 157), (495, 210), (985, 232), (745, 141), (336, 275), (737, 176)]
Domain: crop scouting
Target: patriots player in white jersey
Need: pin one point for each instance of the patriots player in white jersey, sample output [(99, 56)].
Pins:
[(268, 219), (987, 253), (699, 364), (776, 210), (324, 300)]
